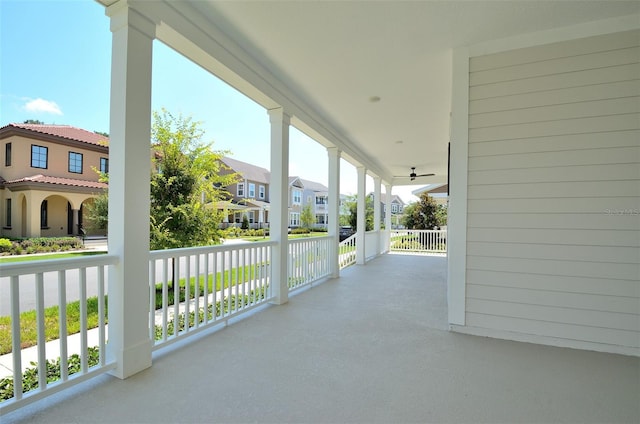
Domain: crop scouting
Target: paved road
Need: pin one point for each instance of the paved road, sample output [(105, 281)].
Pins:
[(27, 283)]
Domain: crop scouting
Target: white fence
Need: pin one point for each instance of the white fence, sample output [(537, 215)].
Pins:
[(212, 283), (309, 260), (77, 288), (422, 241)]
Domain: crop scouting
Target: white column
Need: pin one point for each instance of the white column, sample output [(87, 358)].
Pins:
[(129, 174), (279, 211), (376, 213), (333, 206), (387, 216), (362, 217)]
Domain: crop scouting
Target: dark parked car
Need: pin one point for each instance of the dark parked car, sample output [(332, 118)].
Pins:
[(346, 232)]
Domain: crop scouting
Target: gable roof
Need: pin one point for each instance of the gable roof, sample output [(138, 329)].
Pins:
[(66, 132), (313, 186), (247, 170)]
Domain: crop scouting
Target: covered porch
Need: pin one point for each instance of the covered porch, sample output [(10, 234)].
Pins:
[(371, 346)]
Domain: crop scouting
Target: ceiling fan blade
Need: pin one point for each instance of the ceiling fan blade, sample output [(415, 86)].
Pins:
[(425, 175)]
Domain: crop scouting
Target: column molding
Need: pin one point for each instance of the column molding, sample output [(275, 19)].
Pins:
[(362, 217), (279, 196), (129, 344), (333, 204)]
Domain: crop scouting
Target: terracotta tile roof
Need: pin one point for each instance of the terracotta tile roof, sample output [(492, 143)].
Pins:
[(44, 179), (65, 131)]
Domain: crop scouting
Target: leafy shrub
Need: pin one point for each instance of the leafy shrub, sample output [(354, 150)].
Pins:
[(30, 375), (300, 231), (5, 245)]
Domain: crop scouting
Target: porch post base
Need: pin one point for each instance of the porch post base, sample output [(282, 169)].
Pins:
[(132, 360)]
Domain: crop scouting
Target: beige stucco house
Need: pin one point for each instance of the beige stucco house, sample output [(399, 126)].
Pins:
[(47, 174)]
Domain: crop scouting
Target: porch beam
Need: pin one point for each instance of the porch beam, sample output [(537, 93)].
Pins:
[(361, 218), (279, 209), (129, 186), (333, 205)]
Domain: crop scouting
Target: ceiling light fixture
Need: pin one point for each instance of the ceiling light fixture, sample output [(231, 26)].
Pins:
[(374, 99)]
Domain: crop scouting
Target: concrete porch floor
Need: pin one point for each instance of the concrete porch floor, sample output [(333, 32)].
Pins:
[(372, 346)]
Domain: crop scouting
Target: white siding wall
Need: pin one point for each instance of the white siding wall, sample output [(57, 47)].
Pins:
[(553, 229)]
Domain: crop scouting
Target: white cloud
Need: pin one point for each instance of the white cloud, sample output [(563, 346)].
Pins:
[(42, 106)]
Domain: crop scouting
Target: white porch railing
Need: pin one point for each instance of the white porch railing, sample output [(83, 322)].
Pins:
[(426, 241), (55, 282), (309, 260), (212, 283), (347, 252)]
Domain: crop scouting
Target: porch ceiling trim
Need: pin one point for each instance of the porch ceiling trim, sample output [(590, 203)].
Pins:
[(183, 28)]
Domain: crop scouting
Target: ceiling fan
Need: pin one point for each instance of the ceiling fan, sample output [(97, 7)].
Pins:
[(413, 174)]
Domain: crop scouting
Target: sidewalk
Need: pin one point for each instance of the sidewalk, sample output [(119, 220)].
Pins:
[(52, 348)]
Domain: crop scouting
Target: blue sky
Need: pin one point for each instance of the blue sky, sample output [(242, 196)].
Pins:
[(55, 67)]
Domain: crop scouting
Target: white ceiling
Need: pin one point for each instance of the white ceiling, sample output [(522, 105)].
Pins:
[(337, 55)]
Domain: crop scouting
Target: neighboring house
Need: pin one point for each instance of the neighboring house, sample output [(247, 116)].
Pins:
[(397, 210), (296, 190), (250, 195), (316, 195), (47, 177)]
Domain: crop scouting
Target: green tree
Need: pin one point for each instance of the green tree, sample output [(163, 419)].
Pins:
[(306, 217), (185, 182), (421, 215), (352, 205), (33, 121), (97, 212)]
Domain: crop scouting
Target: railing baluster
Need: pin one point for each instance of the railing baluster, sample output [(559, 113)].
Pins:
[(101, 315), (196, 293), (165, 298), (175, 278), (16, 338), (206, 288), (187, 292), (152, 299), (42, 354), (83, 320), (62, 327)]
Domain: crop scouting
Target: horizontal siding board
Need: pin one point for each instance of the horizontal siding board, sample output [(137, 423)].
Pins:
[(629, 121), (599, 205), (620, 222), (590, 318), (556, 50), (559, 330), (605, 59), (590, 109), (595, 237), (555, 267), (611, 254), (604, 287), (615, 90), (542, 174), (617, 304), (611, 156), (553, 82), (554, 190), (599, 140)]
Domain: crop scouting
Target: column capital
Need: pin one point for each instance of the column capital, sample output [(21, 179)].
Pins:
[(279, 115), (123, 14)]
